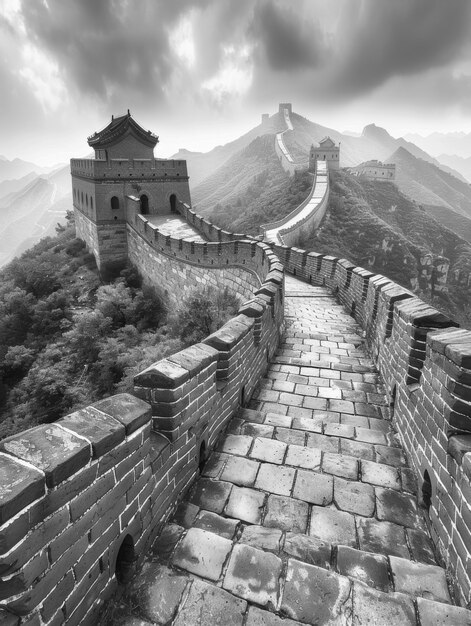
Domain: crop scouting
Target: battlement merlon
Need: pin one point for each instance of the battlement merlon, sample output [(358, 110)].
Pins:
[(128, 167)]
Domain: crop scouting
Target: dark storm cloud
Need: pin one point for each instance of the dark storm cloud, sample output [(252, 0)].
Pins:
[(287, 41), (104, 47), (396, 38)]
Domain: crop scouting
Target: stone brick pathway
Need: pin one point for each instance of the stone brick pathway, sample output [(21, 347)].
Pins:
[(307, 512)]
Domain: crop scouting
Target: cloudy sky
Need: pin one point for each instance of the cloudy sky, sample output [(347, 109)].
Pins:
[(200, 72)]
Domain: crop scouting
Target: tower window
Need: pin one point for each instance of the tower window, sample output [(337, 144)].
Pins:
[(144, 200), (114, 203)]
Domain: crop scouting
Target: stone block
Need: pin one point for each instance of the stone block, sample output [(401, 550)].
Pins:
[(340, 465), (195, 358), (368, 568), (314, 488), (332, 526), (438, 614), (262, 538), (253, 575), (396, 507), (419, 579), (103, 431), (275, 479), (237, 444), (257, 617), (246, 505), (240, 471), (19, 486), (210, 494), (379, 474), (202, 553), (286, 514), (372, 607), (207, 604), (268, 450), (163, 374), (50, 448), (216, 524), (307, 458), (311, 592), (158, 591), (354, 497), (308, 549)]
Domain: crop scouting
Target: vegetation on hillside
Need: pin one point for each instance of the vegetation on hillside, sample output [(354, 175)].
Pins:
[(378, 227), (67, 340)]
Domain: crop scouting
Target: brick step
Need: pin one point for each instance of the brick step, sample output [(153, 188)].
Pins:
[(326, 436), (386, 574)]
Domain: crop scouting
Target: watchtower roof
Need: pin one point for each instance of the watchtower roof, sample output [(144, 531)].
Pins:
[(327, 142), (117, 128)]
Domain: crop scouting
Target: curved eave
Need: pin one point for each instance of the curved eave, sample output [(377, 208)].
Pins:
[(111, 135)]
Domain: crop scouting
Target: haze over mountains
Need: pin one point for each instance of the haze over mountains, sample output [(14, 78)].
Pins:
[(33, 199)]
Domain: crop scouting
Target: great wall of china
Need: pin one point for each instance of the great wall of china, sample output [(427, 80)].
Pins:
[(83, 497)]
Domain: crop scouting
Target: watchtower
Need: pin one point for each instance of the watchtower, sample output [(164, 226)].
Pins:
[(327, 151), (123, 179)]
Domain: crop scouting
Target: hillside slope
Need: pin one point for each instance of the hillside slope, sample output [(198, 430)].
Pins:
[(378, 227), (428, 184)]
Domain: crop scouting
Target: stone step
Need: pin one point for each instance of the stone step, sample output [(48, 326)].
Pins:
[(384, 574)]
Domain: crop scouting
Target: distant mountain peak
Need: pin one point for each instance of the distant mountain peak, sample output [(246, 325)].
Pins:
[(375, 132)]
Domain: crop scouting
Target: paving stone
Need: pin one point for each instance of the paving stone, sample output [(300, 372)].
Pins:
[(240, 471), (308, 549), (376, 608), (340, 465), (307, 423), (357, 449), (262, 538), (214, 464), (296, 411), (421, 546), (291, 399), (202, 553), (315, 403), (257, 617), (274, 407), (399, 508), (379, 474), (186, 514), (321, 442), (438, 614), (311, 592), (339, 430), (409, 480), (275, 479), (276, 419), (390, 456), (332, 526), (307, 458), (253, 575), (371, 569), (216, 524), (207, 604), (210, 494), (288, 435), (165, 543), (246, 505), (286, 514), (257, 430), (382, 537), (382, 425), (354, 497), (419, 579), (237, 444), (157, 592), (283, 385), (313, 488), (268, 450), (369, 436), (354, 420)]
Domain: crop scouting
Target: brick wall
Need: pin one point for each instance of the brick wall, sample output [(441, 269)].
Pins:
[(425, 361), (81, 497)]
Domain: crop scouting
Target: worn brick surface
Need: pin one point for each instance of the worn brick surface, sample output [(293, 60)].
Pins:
[(306, 514)]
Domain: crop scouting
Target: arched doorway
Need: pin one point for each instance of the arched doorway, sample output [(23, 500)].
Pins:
[(144, 204), (173, 203)]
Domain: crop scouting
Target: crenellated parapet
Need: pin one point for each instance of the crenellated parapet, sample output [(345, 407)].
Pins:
[(83, 498), (425, 361)]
